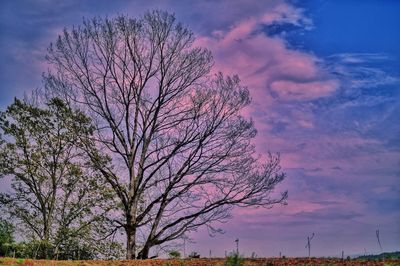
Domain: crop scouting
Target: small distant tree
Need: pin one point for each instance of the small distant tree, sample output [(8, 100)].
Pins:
[(234, 259), (378, 238), (56, 196), (174, 254), (194, 255), (308, 245)]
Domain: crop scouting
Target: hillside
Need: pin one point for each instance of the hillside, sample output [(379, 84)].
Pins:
[(385, 255)]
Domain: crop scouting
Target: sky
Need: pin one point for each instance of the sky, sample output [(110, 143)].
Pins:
[(325, 81)]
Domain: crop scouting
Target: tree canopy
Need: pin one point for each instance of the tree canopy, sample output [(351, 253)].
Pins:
[(57, 196)]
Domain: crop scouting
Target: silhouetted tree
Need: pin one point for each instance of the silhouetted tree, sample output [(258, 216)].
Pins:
[(180, 151), (308, 245)]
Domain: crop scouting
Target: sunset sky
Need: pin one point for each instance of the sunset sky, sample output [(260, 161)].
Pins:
[(325, 81)]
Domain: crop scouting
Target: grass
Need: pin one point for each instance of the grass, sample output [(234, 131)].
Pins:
[(202, 262)]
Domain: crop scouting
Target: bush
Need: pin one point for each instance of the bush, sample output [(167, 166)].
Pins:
[(18, 250), (174, 254), (73, 249), (35, 249), (6, 236), (194, 255), (234, 259), (40, 249)]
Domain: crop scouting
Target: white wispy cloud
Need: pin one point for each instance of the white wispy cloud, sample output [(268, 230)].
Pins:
[(362, 70)]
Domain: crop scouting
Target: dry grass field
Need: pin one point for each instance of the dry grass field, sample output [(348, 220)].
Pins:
[(203, 262)]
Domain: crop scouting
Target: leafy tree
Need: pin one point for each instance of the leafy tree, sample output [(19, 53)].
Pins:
[(6, 236), (180, 150), (57, 196)]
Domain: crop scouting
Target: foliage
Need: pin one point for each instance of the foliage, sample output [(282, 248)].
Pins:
[(234, 259), (6, 236), (58, 198), (73, 251), (174, 254), (31, 249), (384, 255), (194, 255)]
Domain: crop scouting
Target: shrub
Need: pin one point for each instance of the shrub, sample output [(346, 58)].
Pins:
[(6, 236), (194, 255), (17, 250), (174, 254), (40, 249), (234, 259)]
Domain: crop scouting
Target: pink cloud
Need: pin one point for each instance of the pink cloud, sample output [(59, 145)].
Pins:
[(264, 62), (284, 13), (327, 152), (290, 90), (278, 77)]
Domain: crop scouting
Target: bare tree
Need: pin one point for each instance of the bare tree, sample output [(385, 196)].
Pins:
[(308, 245), (379, 240), (237, 245), (180, 153)]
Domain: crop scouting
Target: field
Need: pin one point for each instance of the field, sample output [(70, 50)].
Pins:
[(203, 262)]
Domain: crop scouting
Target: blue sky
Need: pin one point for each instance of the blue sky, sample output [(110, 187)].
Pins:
[(354, 27), (325, 79)]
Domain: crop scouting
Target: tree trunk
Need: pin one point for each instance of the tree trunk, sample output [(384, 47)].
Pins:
[(130, 242), (144, 253)]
